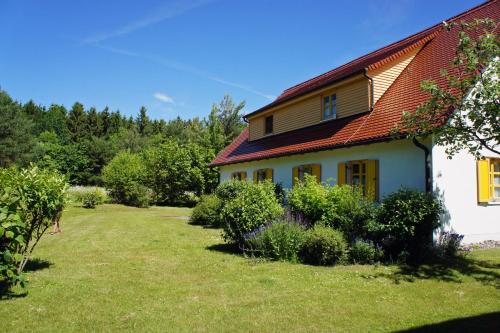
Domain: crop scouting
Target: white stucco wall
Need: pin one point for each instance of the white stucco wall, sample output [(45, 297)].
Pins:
[(400, 163), (456, 181)]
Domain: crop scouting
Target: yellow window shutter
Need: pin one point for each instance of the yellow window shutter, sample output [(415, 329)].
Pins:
[(483, 180), (316, 171), (372, 179), (255, 180), (295, 175), (341, 173), (244, 175), (269, 174)]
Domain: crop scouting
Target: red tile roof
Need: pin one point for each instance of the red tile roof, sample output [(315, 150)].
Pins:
[(403, 95)]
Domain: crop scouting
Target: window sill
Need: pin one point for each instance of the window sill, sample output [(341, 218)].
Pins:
[(489, 203), (328, 119)]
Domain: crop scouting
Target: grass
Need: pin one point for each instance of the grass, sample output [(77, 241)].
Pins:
[(118, 268)]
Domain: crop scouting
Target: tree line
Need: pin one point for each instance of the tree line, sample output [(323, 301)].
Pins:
[(80, 141)]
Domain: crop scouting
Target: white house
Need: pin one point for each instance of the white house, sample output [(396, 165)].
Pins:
[(337, 126)]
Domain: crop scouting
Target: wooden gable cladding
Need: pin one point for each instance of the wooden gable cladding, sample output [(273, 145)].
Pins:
[(385, 75), (353, 96)]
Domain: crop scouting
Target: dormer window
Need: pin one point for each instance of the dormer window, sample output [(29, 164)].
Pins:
[(269, 125), (330, 107)]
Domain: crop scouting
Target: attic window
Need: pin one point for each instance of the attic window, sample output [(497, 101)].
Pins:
[(269, 125), (330, 107)]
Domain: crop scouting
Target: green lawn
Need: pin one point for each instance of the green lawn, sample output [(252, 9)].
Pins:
[(119, 268)]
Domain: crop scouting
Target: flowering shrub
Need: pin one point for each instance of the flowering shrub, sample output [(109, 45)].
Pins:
[(281, 240)]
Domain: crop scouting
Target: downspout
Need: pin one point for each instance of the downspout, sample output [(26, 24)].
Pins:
[(428, 179), (365, 73)]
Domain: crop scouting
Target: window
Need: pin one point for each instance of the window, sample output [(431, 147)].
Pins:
[(239, 175), (330, 107), (299, 172), (269, 125), (488, 180), (262, 175), (363, 173)]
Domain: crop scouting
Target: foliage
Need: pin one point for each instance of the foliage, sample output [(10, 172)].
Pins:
[(89, 197), (79, 142), (365, 252), (30, 199), (173, 170), (15, 128), (124, 178), (342, 207), (252, 207), (324, 246), (207, 211), (448, 243), (228, 190), (407, 218), (309, 198), (464, 112), (281, 240)]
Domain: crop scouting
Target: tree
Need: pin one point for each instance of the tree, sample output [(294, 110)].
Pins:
[(77, 122), (171, 173), (16, 141), (464, 113), (143, 121), (215, 136), (230, 117), (93, 122)]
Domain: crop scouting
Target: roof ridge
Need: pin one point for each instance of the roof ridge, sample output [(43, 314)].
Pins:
[(422, 34)]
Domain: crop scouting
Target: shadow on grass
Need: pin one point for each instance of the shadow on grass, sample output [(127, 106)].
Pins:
[(225, 248), (37, 264), (450, 270), (488, 322)]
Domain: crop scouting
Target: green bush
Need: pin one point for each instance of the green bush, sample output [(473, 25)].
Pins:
[(365, 252), (281, 240), (350, 212), (310, 199), (207, 211), (124, 178), (228, 190), (341, 207), (407, 221), (252, 207), (88, 197), (324, 246), (175, 171), (30, 200)]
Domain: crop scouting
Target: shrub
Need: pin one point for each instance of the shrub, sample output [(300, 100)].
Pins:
[(341, 207), (207, 211), (88, 197), (365, 252), (448, 243), (30, 199), (407, 220), (349, 211), (309, 198), (124, 177), (324, 246), (252, 207), (281, 240), (175, 170), (228, 190)]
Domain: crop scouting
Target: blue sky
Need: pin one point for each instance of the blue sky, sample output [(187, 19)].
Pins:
[(178, 57)]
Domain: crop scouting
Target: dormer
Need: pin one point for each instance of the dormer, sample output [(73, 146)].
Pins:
[(328, 102)]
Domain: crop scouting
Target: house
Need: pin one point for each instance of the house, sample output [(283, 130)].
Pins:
[(337, 127)]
